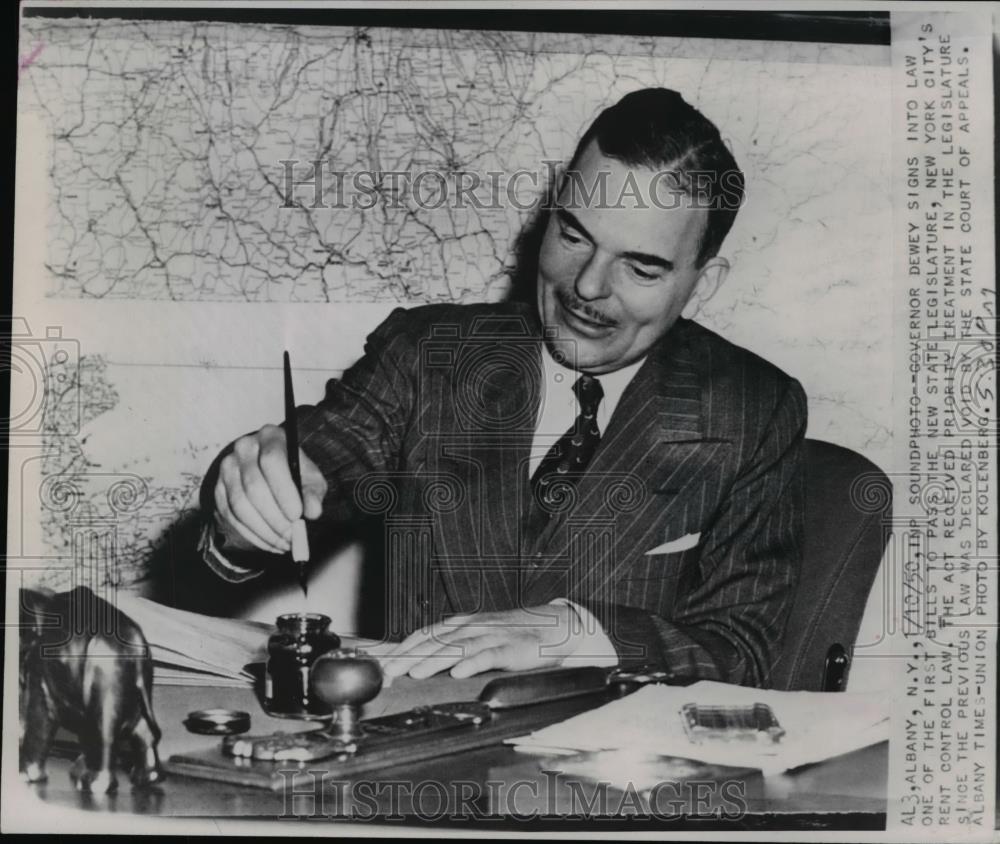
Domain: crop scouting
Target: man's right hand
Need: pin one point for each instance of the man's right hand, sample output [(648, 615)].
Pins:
[(256, 501)]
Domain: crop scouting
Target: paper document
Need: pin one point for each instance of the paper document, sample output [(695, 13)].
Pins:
[(191, 648), (817, 726)]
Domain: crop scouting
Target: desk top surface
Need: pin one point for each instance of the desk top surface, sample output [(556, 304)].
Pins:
[(854, 783)]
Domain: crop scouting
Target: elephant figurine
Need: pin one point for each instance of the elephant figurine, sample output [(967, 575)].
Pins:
[(86, 666)]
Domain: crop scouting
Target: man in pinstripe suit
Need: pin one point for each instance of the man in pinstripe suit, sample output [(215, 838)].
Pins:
[(589, 479)]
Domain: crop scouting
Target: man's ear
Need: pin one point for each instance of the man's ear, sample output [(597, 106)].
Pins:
[(710, 279), (555, 183)]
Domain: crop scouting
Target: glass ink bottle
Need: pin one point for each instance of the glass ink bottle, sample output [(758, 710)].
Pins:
[(300, 640)]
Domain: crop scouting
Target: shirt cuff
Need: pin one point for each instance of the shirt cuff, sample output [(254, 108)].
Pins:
[(214, 559), (589, 643)]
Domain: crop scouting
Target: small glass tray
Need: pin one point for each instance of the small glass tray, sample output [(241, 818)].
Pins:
[(754, 722)]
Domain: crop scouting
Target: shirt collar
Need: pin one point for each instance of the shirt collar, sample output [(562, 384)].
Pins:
[(612, 383)]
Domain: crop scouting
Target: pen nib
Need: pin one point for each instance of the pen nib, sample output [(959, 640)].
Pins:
[(303, 580)]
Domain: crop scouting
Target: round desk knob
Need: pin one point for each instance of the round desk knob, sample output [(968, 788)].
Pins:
[(345, 680)]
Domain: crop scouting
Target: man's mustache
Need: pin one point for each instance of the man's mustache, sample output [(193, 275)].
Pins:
[(572, 303)]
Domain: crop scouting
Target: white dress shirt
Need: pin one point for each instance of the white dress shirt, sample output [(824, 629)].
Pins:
[(559, 406), (588, 644)]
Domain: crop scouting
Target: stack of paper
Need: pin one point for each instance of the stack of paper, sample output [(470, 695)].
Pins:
[(193, 649), (817, 726)]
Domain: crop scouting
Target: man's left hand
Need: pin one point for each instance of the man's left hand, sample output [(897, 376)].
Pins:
[(512, 640)]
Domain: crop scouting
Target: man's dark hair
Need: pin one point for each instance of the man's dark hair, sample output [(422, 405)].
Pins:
[(656, 129)]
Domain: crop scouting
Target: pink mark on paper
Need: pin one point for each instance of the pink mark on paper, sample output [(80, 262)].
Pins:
[(27, 61)]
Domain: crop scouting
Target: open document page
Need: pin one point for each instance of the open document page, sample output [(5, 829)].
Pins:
[(817, 726)]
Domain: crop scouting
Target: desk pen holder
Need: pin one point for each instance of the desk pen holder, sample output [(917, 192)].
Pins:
[(338, 683)]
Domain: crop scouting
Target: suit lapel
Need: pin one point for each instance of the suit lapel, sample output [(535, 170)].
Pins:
[(654, 447)]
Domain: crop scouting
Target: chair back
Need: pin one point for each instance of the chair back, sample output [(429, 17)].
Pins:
[(848, 516)]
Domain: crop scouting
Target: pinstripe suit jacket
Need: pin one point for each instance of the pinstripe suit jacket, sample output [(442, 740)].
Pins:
[(431, 430)]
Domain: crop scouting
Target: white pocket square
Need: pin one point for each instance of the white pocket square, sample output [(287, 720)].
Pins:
[(682, 544)]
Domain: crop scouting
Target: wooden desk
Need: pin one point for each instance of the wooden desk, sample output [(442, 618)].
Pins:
[(487, 784)]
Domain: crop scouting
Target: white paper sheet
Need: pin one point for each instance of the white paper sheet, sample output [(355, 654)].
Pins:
[(817, 726)]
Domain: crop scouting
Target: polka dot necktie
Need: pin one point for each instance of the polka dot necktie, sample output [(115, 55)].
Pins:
[(569, 456)]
